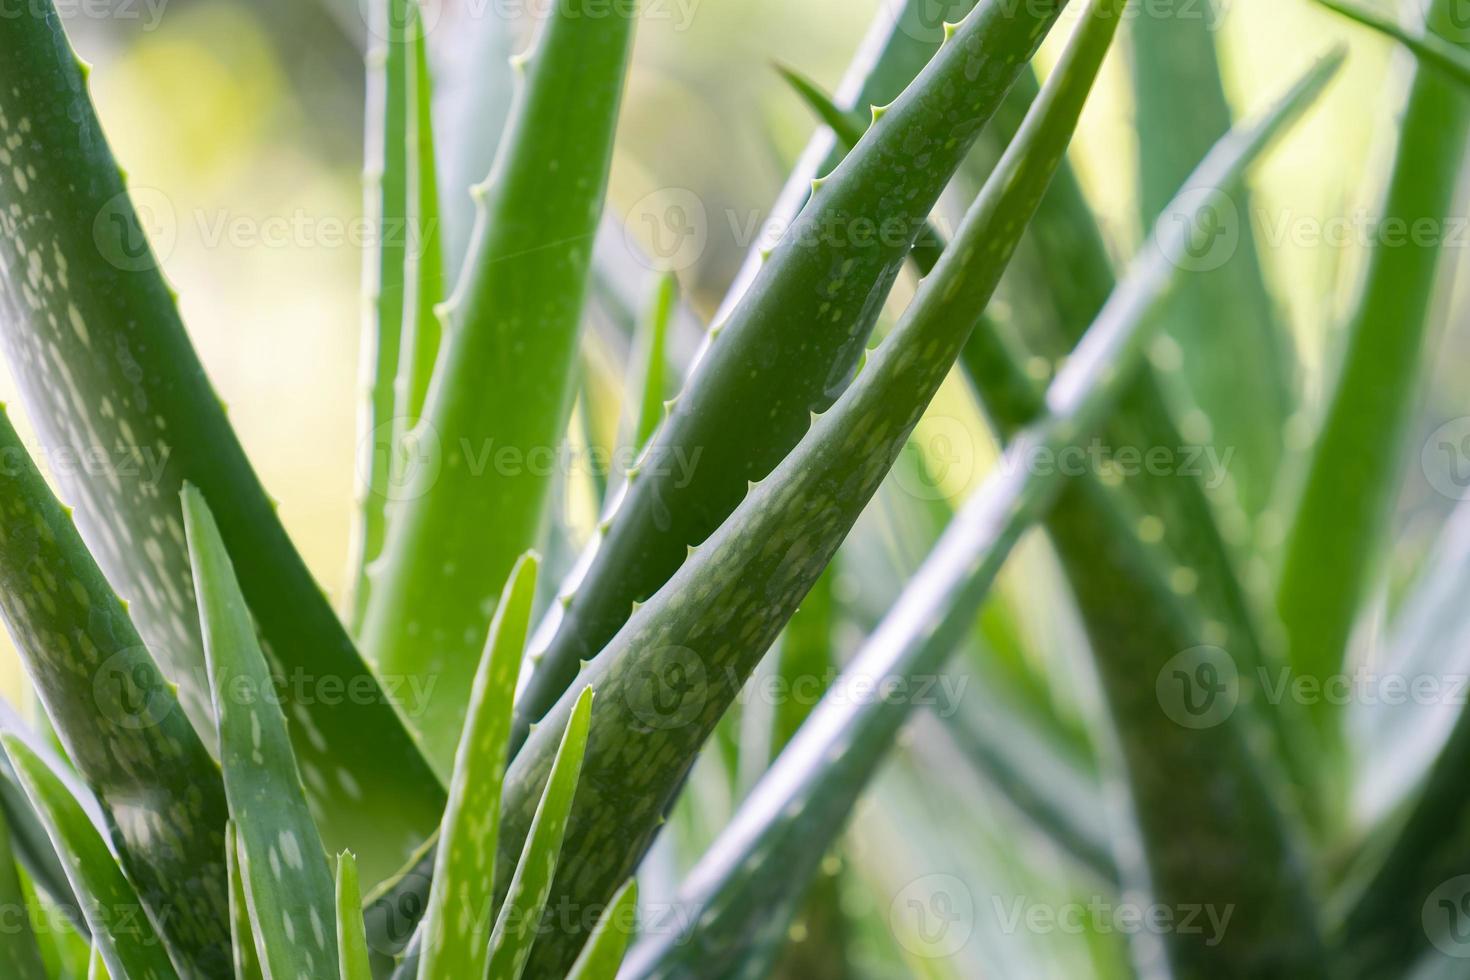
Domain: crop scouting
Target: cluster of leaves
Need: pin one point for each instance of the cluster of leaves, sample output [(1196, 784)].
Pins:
[(187, 827)]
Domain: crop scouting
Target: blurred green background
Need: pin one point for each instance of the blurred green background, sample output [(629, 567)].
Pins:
[(240, 124)]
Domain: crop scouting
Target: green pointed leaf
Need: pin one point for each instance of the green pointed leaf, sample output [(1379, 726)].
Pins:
[(283, 865), (669, 675), (603, 954), (1237, 365), (792, 341), (165, 810), (425, 275), (352, 951), (645, 390), (385, 180), (1342, 511), (122, 932), (97, 966), (506, 371), (20, 955), (105, 366), (756, 871), (242, 933), (520, 919), (1431, 49), (457, 922), (28, 838)]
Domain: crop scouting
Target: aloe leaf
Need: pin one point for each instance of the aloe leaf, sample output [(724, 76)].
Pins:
[(651, 359), (283, 865), (1237, 363), (506, 371), (1341, 514), (352, 950), (903, 39), (1399, 898), (772, 846), (385, 183), (791, 343), (20, 954), (97, 966), (1429, 48), (122, 933), (425, 277), (165, 810), (104, 363), (669, 675), (457, 923), (242, 933), (603, 954), (519, 922), (27, 835)]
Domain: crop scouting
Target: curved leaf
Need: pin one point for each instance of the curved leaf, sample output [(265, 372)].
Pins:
[(505, 374), (93, 336), (121, 931), (283, 865)]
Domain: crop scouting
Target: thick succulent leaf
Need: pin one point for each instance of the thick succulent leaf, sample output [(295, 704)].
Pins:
[(1341, 515), (97, 966), (426, 284), (646, 388), (1237, 364), (773, 845), (242, 933), (1432, 49), (1398, 737), (1402, 896), (165, 810), (1061, 277), (94, 338), (457, 924), (669, 675), (520, 922), (283, 865), (903, 39), (122, 932), (385, 184), (791, 343), (505, 374), (28, 839), (20, 954), (352, 951), (603, 954)]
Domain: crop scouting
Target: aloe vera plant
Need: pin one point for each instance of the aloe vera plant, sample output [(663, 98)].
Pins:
[(685, 752)]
